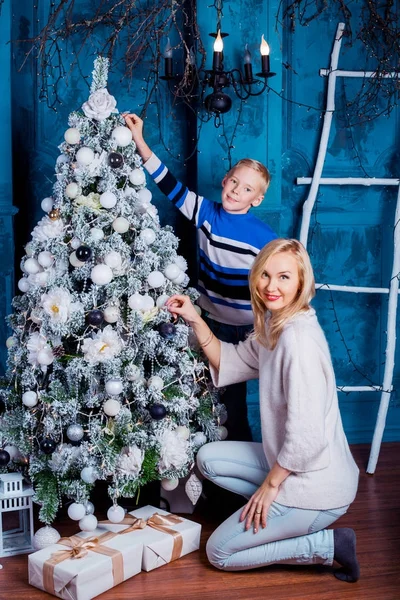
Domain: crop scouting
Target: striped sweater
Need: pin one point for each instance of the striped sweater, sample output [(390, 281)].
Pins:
[(228, 244)]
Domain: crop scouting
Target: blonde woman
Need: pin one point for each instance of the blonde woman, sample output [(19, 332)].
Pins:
[(302, 477)]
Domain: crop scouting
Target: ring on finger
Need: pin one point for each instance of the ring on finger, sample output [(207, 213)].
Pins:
[(258, 512)]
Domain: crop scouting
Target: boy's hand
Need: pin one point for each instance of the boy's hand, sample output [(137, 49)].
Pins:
[(135, 124)]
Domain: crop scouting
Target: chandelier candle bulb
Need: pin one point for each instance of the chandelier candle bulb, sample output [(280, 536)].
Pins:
[(168, 60), (264, 49), (217, 55), (248, 69)]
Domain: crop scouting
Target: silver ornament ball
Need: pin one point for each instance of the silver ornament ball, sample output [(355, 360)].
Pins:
[(75, 432)]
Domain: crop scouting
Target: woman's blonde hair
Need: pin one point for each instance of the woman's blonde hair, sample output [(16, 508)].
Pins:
[(300, 303)]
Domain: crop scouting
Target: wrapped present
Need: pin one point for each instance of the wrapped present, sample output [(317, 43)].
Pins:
[(85, 565), (165, 537)]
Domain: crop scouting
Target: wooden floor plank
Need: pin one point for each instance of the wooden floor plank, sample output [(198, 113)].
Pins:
[(374, 515)]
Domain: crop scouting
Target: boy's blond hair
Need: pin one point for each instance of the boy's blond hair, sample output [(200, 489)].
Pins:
[(256, 166)]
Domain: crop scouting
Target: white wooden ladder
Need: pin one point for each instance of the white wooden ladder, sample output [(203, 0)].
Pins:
[(315, 181)]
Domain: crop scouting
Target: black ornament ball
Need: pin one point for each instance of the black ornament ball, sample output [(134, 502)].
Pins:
[(158, 411), (167, 330), (4, 458), (48, 445), (95, 317), (115, 160), (83, 253), (2, 407), (218, 102)]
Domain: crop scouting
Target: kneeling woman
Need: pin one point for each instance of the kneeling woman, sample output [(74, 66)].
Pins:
[(302, 477)]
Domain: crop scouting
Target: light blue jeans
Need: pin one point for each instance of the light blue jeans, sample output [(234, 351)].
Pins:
[(292, 536)]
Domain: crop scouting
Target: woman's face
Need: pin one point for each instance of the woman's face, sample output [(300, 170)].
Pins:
[(279, 281)]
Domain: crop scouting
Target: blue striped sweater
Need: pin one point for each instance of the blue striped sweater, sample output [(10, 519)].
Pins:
[(228, 244)]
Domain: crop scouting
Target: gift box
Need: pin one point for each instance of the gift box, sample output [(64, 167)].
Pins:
[(164, 537), (85, 565)]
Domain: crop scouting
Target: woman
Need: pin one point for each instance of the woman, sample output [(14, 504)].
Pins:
[(302, 477)]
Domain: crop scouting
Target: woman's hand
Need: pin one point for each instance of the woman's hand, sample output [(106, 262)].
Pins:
[(256, 510), (135, 124), (179, 305)]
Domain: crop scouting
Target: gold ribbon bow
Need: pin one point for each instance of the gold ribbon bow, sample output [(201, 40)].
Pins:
[(79, 548)]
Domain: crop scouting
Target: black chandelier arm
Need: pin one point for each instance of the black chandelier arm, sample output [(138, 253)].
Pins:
[(243, 85)]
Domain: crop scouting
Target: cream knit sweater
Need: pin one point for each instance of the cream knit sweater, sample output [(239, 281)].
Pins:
[(300, 420)]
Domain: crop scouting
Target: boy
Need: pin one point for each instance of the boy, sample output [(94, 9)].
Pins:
[(229, 238)]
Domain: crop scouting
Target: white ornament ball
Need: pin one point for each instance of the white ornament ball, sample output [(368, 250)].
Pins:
[(72, 190), (101, 274), (76, 511), (120, 225), (32, 266), (137, 177), (41, 278), (96, 234), (161, 300), (132, 373), (136, 302), (88, 523), (10, 342), (75, 243), (145, 196), (111, 314), (122, 135), (29, 249), (199, 439), (113, 259), (181, 263), (114, 387), (88, 474), (45, 536), (23, 284), (108, 200), (84, 156), (75, 262), (75, 432), (155, 382), (29, 399), (222, 432), (111, 407), (72, 136), (89, 507), (63, 158), (179, 279), (197, 309), (147, 236), (148, 302), (128, 191), (169, 484), (183, 432), (155, 279), (45, 357), (115, 514), (46, 204), (35, 317), (171, 271), (12, 451), (45, 259)]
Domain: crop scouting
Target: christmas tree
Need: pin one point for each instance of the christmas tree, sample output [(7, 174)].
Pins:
[(101, 383)]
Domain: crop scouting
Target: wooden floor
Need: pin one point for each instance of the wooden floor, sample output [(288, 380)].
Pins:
[(375, 516)]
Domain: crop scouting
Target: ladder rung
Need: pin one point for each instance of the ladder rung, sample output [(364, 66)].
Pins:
[(352, 288), (363, 74), (368, 181), (361, 388)]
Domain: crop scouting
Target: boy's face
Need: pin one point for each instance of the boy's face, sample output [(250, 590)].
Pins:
[(241, 190)]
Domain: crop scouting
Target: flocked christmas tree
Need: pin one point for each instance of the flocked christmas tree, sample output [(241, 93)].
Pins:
[(101, 383)]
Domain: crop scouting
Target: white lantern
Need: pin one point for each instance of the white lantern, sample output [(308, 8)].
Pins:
[(148, 302), (115, 514), (183, 432), (46, 204), (101, 274), (179, 279), (96, 234), (74, 261), (172, 271), (72, 190), (137, 177), (84, 156), (145, 196), (111, 314), (75, 243), (113, 259), (111, 407), (136, 302), (155, 382), (45, 259), (23, 284), (29, 399), (120, 225), (155, 279), (147, 236), (45, 356), (108, 200), (32, 266), (161, 300), (15, 497), (88, 523), (132, 373), (114, 387), (76, 511), (72, 136), (88, 474), (122, 136), (169, 484)]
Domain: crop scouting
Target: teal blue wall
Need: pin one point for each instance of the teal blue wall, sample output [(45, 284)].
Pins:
[(352, 232)]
